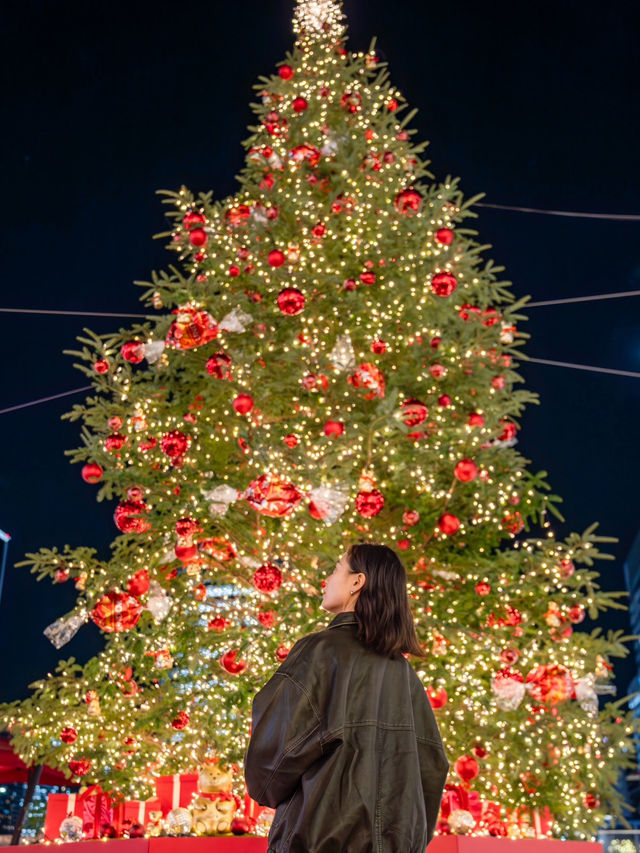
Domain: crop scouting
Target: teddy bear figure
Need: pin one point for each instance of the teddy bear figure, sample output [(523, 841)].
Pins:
[(213, 816)]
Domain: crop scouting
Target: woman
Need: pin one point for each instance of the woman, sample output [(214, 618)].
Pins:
[(344, 743)]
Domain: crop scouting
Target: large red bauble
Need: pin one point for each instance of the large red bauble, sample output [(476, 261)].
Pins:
[(368, 375), (92, 472), (268, 578), (408, 201), (443, 283), (444, 236), (68, 735), (198, 237), (228, 661), (285, 72), (191, 328), (138, 584), (175, 443), (467, 768), (466, 470), (369, 503), (334, 428), (116, 611), (305, 152), (276, 258), (238, 215), (448, 523), (132, 351), (414, 412), (80, 766), (300, 105), (181, 721), (243, 403), (219, 366), (272, 496), (438, 697), (475, 419), (115, 442), (282, 653), (193, 218), (291, 301), (130, 517)]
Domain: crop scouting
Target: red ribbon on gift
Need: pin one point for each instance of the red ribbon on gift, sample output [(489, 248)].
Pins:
[(96, 810)]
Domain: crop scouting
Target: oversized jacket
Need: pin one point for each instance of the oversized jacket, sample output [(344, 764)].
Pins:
[(344, 745)]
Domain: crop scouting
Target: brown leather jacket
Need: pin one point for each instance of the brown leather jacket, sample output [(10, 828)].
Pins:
[(345, 747)]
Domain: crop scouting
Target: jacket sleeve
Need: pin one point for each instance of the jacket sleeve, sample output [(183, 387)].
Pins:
[(434, 764), (285, 739)]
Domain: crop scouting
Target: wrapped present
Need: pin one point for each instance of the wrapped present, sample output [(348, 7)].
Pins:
[(59, 806), (175, 791), (255, 814), (128, 813), (533, 823), (97, 811)]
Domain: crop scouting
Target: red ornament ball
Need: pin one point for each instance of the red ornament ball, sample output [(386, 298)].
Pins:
[(276, 258), (291, 301), (68, 735), (285, 72), (483, 588), (466, 470), (61, 575), (334, 428), (410, 517), (115, 442), (101, 366), (448, 523), (243, 403), (408, 202), (475, 419), (181, 721), (175, 443), (444, 236), (369, 503), (116, 611), (267, 618), (198, 237), (80, 766), (378, 346), (591, 800), (133, 351), (444, 400), (300, 105), (242, 825), (219, 366), (234, 667), (218, 623), (443, 283), (576, 614), (291, 440), (467, 768), (414, 412), (130, 517), (138, 584), (92, 472), (268, 578), (438, 697), (282, 653)]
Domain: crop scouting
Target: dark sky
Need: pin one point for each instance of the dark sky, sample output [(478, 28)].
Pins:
[(535, 104)]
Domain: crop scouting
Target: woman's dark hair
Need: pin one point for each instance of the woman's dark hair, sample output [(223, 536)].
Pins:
[(385, 620)]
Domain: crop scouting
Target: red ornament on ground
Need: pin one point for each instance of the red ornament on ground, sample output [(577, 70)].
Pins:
[(443, 283), (369, 503), (92, 472), (448, 523), (243, 403), (133, 351), (129, 517), (291, 301), (116, 611), (268, 578)]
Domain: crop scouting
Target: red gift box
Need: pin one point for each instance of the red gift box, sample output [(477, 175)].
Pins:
[(176, 790), (135, 811), (59, 806), (96, 811)]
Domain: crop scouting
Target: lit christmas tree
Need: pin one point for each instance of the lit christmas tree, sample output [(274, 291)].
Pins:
[(335, 362)]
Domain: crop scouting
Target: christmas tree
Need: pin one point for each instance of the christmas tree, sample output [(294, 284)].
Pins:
[(332, 361)]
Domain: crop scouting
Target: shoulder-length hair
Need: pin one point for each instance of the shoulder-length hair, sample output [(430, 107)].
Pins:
[(385, 620)]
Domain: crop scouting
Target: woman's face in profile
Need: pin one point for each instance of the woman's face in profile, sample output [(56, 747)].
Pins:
[(337, 587)]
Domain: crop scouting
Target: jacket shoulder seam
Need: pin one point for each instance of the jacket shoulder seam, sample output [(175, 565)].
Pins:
[(301, 687)]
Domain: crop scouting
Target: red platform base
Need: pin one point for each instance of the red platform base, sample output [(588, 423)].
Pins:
[(251, 844)]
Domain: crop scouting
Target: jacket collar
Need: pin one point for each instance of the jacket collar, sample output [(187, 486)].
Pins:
[(347, 617)]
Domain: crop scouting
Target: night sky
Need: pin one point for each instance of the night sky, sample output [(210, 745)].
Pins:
[(534, 104)]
